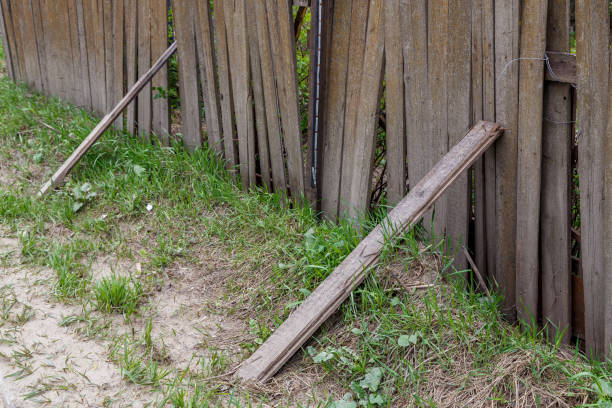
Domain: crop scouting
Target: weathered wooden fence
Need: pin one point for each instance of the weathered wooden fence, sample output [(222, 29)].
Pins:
[(400, 83)]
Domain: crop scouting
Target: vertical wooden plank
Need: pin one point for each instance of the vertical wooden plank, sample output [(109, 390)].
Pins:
[(260, 114), (83, 80), (61, 32), (480, 239), (506, 96), (555, 203), (607, 239), (145, 97), (287, 82), (350, 145), (208, 78), (418, 97), (394, 73), (131, 51), (369, 106), (75, 52), (159, 44), (531, 93), (438, 15), (188, 75), (235, 17), (277, 158), (225, 88), (334, 110), (94, 33), (5, 42), (488, 111), (14, 40), (459, 119), (592, 46), (117, 80), (25, 20)]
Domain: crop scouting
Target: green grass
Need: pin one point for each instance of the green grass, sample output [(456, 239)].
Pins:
[(118, 294), (163, 207)]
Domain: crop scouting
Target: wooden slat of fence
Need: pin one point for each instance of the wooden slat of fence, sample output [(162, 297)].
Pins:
[(225, 88), (260, 114), (235, 21), (480, 238), (507, 27), (367, 120), (437, 60), (418, 97), (488, 105), (145, 97), (208, 78), (592, 43), (14, 40), (607, 239), (83, 79), (394, 73), (555, 204), (25, 20), (131, 52), (286, 70), (117, 35), (48, 15), (459, 122), (350, 145), (75, 52), (95, 51), (5, 41), (188, 75), (40, 42), (159, 43), (271, 100), (531, 91), (334, 110), (107, 15)]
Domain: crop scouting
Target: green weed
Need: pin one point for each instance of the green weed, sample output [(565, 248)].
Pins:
[(118, 294)]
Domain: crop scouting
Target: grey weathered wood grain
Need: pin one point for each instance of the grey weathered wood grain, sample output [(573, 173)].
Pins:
[(354, 86), (592, 47), (208, 76), (5, 42), (131, 53), (145, 97), (225, 87), (271, 99), (258, 98), (188, 75), (507, 25), (458, 82), (159, 43), (555, 203), (117, 36), (324, 301), (334, 110), (83, 80), (369, 107), (394, 75), (531, 94)]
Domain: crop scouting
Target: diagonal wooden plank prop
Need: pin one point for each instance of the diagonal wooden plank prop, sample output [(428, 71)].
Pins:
[(59, 176), (306, 319)]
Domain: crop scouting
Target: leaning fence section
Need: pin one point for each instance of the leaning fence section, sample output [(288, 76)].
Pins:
[(394, 85)]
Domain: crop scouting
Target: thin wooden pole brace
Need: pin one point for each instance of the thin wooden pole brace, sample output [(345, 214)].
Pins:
[(311, 314), (59, 176)]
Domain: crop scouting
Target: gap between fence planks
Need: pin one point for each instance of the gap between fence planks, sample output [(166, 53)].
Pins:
[(305, 320), (59, 176)]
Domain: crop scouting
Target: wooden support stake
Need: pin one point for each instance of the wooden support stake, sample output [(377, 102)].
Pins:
[(59, 176), (305, 320)]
